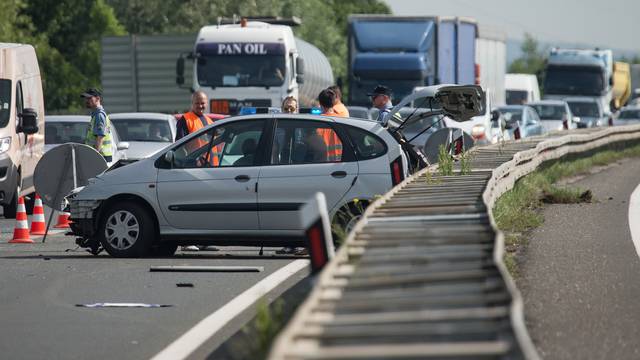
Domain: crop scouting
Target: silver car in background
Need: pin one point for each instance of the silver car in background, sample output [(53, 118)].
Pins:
[(146, 133), (555, 115), (61, 129), (627, 116), (526, 118), (588, 109)]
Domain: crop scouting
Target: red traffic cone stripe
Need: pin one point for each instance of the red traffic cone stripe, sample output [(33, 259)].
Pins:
[(38, 225), (63, 220), (21, 230)]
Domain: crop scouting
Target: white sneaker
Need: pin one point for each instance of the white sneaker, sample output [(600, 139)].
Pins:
[(190, 248)]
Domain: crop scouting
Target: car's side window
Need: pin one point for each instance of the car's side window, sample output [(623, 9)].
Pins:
[(304, 142), (367, 145), (233, 144)]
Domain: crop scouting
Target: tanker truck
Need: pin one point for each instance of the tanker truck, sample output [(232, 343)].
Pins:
[(254, 64)]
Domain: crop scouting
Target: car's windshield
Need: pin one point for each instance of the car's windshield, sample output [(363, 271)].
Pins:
[(241, 64), (143, 130), (550, 112), (574, 81), (584, 109), (5, 101), (516, 97), (60, 132), (629, 114), (511, 114)]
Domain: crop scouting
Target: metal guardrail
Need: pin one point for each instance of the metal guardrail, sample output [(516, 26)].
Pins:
[(421, 275)]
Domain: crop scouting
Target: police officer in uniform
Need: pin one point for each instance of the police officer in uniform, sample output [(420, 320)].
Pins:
[(99, 131)]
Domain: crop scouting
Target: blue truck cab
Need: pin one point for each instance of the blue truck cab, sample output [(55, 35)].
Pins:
[(429, 51)]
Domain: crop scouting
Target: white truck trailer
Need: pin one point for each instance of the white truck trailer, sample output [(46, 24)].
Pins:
[(255, 63)]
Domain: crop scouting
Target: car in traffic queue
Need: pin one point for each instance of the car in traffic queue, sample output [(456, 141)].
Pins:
[(242, 180), (628, 115), (523, 117), (62, 129), (146, 133), (555, 115), (359, 112), (588, 109)]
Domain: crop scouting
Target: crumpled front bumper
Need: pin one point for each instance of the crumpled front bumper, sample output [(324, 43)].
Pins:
[(83, 217)]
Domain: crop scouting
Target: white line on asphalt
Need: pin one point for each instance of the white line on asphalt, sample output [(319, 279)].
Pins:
[(634, 218), (207, 327)]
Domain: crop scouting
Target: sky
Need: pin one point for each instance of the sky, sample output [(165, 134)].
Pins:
[(606, 24)]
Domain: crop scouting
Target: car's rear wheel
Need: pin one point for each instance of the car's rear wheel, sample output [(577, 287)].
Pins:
[(346, 219), (127, 230)]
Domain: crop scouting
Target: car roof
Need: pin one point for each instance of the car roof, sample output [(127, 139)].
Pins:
[(66, 118), (513, 107), (141, 115), (366, 124), (548, 102), (581, 99)]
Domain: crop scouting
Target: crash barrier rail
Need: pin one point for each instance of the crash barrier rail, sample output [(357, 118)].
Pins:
[(421, 274)]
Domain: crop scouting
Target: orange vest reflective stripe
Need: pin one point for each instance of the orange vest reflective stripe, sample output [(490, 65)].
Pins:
[(334, 145), (194, 123)]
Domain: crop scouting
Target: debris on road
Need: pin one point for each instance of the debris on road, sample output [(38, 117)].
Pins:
[(123, 305), (188, 268), (184, 284)]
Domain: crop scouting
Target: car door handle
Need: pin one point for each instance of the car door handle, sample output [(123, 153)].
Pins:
[(242, 178), (339, 174)]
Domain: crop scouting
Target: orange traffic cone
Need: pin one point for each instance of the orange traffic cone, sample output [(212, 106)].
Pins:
[(38, 226), (63, 220), (21, 231)]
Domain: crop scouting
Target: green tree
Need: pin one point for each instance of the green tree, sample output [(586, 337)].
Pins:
[(67, 37), (324, 23), (532, 61)]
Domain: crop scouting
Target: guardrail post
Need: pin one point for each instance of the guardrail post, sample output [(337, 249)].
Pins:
[(314, 217)]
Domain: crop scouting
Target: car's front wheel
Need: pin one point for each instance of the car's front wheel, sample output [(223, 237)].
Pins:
[(127, 230)]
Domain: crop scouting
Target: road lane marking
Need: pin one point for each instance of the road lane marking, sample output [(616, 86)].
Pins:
[(190, 341), (634, 218)]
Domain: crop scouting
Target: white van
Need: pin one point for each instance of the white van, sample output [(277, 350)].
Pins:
[(21, 124), (521, 88)]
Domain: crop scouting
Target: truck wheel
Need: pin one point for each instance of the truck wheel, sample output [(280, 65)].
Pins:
[(126, 230)]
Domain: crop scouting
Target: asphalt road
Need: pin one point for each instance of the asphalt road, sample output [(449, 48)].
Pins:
[(579, 275), (42, 283)]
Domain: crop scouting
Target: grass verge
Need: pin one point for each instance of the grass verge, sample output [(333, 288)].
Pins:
[(518, 211)]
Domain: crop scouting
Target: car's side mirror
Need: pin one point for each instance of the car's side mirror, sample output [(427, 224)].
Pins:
[(123, 145), (495, 115), (180, 71), (169, 157), (28, 123), (299, 66)]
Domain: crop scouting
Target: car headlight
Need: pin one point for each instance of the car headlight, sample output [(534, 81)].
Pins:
[(5, 144), (477, 132)]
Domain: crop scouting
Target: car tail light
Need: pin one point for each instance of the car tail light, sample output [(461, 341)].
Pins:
[(478, 132), (458, 146), (610, 121), (477, 73), (565, 124), (397, 175), (516, 134)]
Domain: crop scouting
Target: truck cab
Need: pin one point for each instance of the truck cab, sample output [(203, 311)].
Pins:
[(21, 124), (586, 73), (431, 51), (254, 64)]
